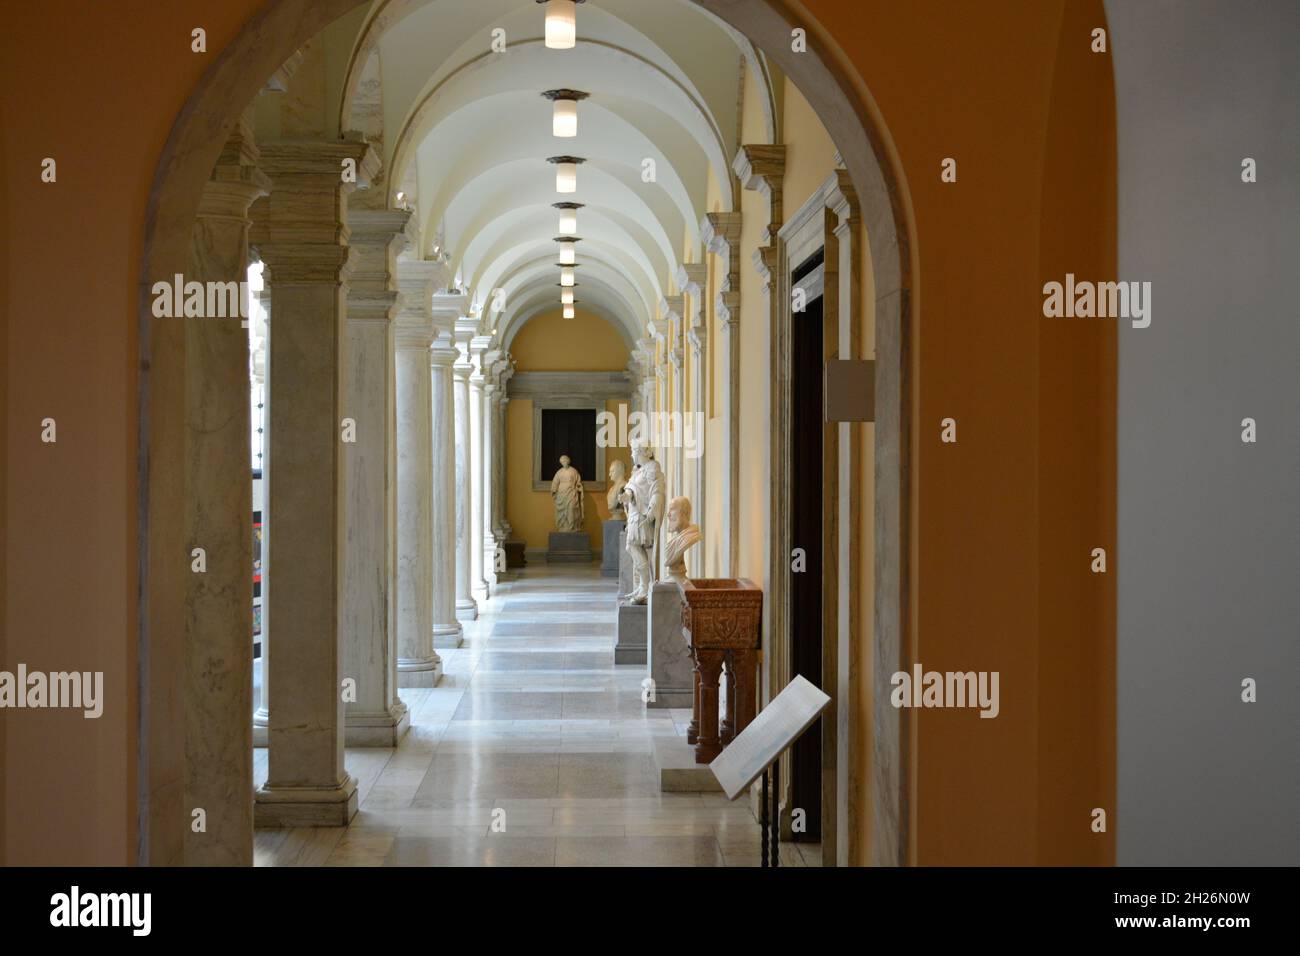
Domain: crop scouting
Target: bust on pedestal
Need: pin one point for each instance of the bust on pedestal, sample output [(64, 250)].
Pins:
[(612, 549), (672, 672)]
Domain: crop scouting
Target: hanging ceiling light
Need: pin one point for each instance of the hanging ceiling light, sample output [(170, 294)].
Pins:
[(569, 312), (568, 249), (566, 172), (561, 23), (566, 297), (564, 119), (568, 217), (568, 278)]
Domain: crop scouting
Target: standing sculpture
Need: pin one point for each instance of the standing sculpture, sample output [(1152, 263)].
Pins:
[(566, 489), (682, 535), (643, 498), (617, 482)]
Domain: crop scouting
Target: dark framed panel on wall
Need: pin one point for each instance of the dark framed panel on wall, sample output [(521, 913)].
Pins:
[(566, 420), (572, 432)]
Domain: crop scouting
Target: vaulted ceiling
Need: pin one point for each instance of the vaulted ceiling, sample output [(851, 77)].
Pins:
[(465, 136)]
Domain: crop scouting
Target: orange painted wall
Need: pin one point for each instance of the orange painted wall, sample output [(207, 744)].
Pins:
[(1010, 90)]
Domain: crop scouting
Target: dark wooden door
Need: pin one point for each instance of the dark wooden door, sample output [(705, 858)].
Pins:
[(806, 494)]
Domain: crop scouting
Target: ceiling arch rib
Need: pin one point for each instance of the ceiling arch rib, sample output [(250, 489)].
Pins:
[(517, 244), (642, 94), (461, 149), (594, 277), (599, 228)]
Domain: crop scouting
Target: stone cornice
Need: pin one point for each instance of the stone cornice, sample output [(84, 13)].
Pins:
[(596, 386), (692, 278), (720, 232), (672, 307), (762, 168), (699, 341), (842, 199)]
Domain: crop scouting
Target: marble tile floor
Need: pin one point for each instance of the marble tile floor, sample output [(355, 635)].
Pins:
[(535, 727)]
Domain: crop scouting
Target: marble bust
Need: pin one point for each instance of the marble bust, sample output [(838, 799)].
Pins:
[(566, 489), (682, 536), (617, 481), (643, 498)]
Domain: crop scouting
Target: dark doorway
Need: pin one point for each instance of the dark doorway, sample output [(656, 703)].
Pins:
[(572, 432), (806, 493)]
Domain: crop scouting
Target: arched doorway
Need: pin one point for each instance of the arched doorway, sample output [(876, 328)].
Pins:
[(841, 99)]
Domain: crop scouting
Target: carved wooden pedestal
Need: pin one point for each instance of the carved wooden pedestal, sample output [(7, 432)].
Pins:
[(722, 618)]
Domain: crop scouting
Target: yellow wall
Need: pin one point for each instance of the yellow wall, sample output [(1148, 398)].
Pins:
[(585, 343), (755, 374), (551, 343)]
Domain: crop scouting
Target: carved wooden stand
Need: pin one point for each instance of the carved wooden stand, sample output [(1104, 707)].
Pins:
[(722, 618)]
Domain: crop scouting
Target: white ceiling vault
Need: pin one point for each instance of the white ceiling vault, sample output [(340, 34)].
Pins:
[(465, 136)]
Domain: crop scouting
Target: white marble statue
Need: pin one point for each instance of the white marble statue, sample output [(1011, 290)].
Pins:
[(617, 482), (566, 489), (643, 497), (682, 536)]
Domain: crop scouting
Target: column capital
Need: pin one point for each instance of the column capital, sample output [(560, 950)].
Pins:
[(692, 278), (762, 169), (442, 353), (720, 232), (300, 229), (447, 308), (672, 307), (698, 339), (842, 200)]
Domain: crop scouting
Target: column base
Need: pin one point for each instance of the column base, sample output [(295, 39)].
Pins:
[(279, 807), (419, 673), (377, 730), (448, 635), (261, 728), (466, 609)]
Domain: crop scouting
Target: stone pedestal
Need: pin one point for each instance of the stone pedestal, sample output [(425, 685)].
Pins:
[(631, 645), (722, 618), (569, 547), (670, 665), (612, 547), (624, 567)]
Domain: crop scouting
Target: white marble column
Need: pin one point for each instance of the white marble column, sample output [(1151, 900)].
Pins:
[(218, 513), (466, 607), (374, 715), (506, 372), (490, 578), (479, 586), (447, 631), (418, 664), (304, 244)]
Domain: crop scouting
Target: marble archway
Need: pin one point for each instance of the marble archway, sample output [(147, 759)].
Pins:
[(840, 96)]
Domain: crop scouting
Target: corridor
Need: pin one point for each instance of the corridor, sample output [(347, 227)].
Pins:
[(533, 719)]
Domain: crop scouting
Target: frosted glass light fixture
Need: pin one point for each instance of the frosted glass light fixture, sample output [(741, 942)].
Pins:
[(564, 119), (566, 297), (569, 312), (567, 277), (568, 217), (561, 23), (566, 172), (568, 249)]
